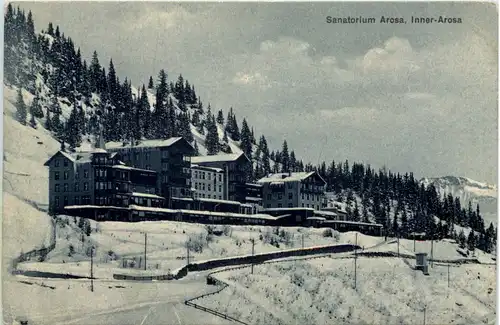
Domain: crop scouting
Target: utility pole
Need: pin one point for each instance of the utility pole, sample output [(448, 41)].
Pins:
[(356, 262), (302, 241), (425, 308), (253, 252), (432, 252), (448, 275), (398, 245), (92, 269), (145, 248), (187, 247)]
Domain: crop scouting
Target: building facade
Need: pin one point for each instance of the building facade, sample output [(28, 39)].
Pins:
[(293, 190), (237, 169), (169, 158), (208, 182), (96, 178)]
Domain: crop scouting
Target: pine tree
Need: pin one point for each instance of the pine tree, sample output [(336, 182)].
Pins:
[(48, 121), (32, 119), (150, 83), (285, 158), (22, 113), (471, 241), (220, 117), (355, 213), (246, 139)]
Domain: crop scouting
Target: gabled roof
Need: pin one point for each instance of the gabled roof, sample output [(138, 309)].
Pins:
[(218, 158), (147, 143), (76, 157), (288, 177)]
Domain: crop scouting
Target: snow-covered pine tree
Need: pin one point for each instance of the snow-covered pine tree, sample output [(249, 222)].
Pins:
[(48, 120), (32, 119), (285, 158), (246, 139), (150, 83), (21, 113), (220, 117)]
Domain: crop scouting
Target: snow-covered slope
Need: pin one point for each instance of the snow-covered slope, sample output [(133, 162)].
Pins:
[(469, 190), (26, 225)]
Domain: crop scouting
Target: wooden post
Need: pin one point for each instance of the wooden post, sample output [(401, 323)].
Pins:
[(356, 262), (425, 308), (398, 245), (187, 247), (448, 275), (302, 241), (432, 252), (92, 269), (253, 252)]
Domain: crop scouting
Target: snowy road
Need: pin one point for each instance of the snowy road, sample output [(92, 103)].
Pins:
[(170, 313)]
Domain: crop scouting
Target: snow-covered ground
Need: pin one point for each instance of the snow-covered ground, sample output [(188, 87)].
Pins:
[(25, 224), (166, 245), (388, 291)]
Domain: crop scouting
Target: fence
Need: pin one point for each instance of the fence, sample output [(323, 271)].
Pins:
[(42, 252), (242, 260)]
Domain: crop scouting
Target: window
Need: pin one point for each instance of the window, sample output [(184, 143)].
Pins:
[(57, 188), (290, 184), (65, 201), (77, 175), (136, 156), (77, 187), (66, 175), (209, 176), (280, 196), (302, 196), (56, 163), (56, 176), (203, 175), (220, 197), (195, 174), (85, 173), (268, 206), (164, 166), (307, 205), (302, 204), (280, 205), (209, 187), (220, 177), (307, 196), (269, 197), (220, 188), (66, 187), (148, 167), (317, 207), (195, 186), (147, 155), (203, 186), (86, 186), (164, 154), (290, 196), (77, 200), (65, 162), (56, 201), (289, 205)]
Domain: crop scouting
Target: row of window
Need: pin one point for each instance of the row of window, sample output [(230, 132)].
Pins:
[(66, 175), (280, 196), (313, 197), (66, 187), (208, 196), (209, 175), (201, 186), (85, 199), (290, 205)]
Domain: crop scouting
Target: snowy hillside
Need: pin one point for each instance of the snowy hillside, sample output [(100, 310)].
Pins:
[(26, 225), (469, 190)]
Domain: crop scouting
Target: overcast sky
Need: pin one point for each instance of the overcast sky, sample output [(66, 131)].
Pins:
[(419, 98)]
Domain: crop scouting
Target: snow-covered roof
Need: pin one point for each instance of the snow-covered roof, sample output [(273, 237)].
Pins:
[(144, 143), (316, 218), (253, 198), (70, 207), (148, 195), (219, 201), (206, 168), (353, 222), (132, 168), (288, 209), (216, 158), (286, 177), (325, 213)]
